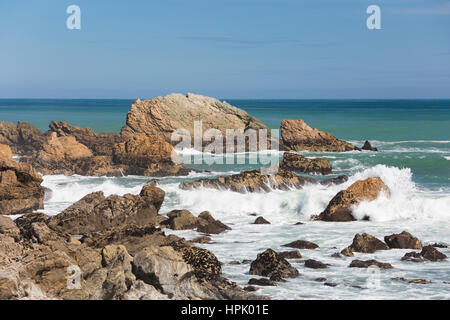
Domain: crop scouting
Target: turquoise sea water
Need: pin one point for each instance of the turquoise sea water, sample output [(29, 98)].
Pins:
[(414, 162)]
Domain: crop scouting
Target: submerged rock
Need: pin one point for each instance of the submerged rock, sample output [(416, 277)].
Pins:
[(20, 186), (301, 244), (262, 282), (340, 207), (270, 264), (297, 135), (299, 163), (403, 240), (369, 263)]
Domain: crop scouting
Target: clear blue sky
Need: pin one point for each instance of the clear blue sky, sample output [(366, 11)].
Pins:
[(227, 49)]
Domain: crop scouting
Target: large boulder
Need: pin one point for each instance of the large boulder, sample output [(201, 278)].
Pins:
[(297, 135), (162, 116), (404, 240), (301, 164), (95, 212), (270, 264), (20, 187), (185, 220), (340, 207)]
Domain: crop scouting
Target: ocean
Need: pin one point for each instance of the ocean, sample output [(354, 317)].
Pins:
[(413, 137)]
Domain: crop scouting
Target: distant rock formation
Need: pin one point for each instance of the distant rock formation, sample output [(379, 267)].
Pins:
[(23, 138), (162, 116), (340, 207), (367, 146), (297, 135), (301, 164), (20, 185)]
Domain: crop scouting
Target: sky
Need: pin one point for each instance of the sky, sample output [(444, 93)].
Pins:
[(234, 49)]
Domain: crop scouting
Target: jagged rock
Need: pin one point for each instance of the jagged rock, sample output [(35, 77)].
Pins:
[(148, 156), (290, 254), (299, 163), (369, 263), (262, 282), (269, 264), (367, 146), (301, 244), (403, 240), (366, 243), (428, 253), (95, 212), (23, 138), (340, 207), (185, 220), (9, 228), (314, 264), (261, 220), (162, 116), (297, 135), (20, 187)]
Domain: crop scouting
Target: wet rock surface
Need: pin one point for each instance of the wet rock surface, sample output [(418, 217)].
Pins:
[(270, 264), (301, 244), (403, 240), (298, 163)]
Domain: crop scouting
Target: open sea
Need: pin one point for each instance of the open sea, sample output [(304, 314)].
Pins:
[(413, 137)]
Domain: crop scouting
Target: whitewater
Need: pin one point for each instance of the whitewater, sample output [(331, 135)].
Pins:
[(415, 204)]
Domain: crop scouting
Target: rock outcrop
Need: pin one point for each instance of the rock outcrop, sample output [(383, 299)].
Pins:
[(270, 264), (20, 186), (368, 147), (255, 181), (301, 164), (340, 207), (370, 263), (429, 253), (162, 116), (96, 213), (365, 243), (297, 135), (403, 240), (23, 138), (185, 220)]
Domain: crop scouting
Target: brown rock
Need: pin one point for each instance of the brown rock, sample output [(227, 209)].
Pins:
[(314, 264), (403, 240), (9, 228), (298, 136), (20, 188), (301, 244), (184, 220), (290, 254), (299, 163), (369, 263), (413, 257), (5, 151), (202, 239), (207, 224), (366, 243), (432, 254), (340, 207), (269, 264), (261, 220), (262, 282), (23, 138)]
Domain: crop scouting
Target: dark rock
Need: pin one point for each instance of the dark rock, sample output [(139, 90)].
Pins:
[(301, 244), (251, 289), (432, 254), (338, 180), (269, 263), (330, 284), (261, 282), (299, 163), (369, 263), (290, 254), (207, 224), (261, 220), (366, 243), (413, 257), (202, 239), (314, 264), (403, 240), (368, 146), (320, 279)]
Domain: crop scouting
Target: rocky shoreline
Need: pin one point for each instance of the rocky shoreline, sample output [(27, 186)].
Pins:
[(115, 247)]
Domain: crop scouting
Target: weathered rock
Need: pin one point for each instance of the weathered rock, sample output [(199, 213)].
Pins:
[(149, 156), (314, 264), (301, 244), (5, 151), (337, 180), (366, 243), (369, 263), (340, 207), (251, 181), (202, 239), (413, 257), (162, 116), (264, 282), (290, 254), (269, 264), (403, 240), (297, 135), (185, 220), (432, 254), (9, 228), (299, 163), (367, 146), (347, 252), (95, 213), (261, 220), (23, 138), (20, 187)]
